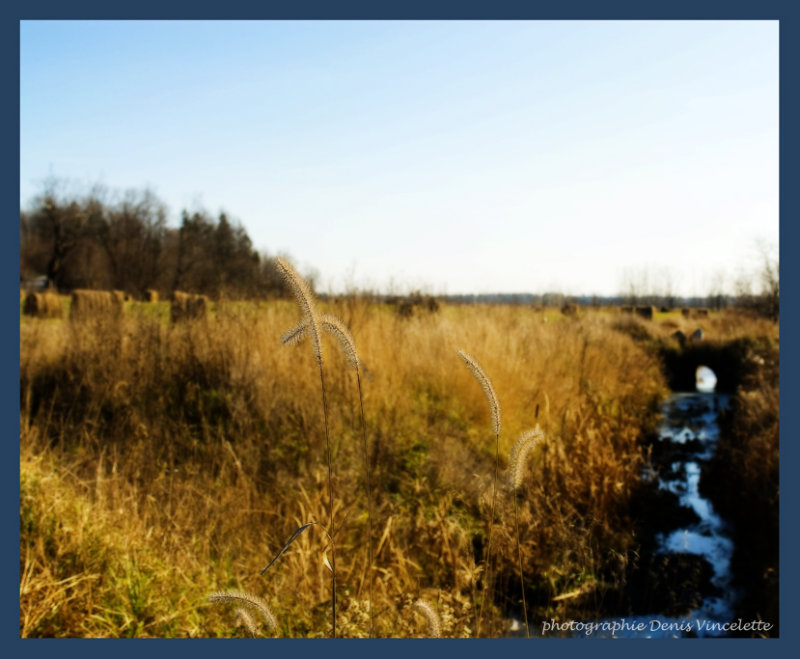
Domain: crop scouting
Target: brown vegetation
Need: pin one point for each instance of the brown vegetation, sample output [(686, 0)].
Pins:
[(743, 479), (570, 309), (188, 306), (161, 463), (406, 305)]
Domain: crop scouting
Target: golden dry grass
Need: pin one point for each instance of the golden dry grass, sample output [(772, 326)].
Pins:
[(162, 463)]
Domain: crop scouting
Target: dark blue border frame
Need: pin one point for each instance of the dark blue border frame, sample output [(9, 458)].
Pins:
[(784, 11)]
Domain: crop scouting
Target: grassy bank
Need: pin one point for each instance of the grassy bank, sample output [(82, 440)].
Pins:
[(743, 480)]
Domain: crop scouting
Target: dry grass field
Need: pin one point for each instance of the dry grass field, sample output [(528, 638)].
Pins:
[(164, 462)]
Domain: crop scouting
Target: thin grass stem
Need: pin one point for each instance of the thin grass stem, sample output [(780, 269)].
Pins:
[(519, 560), (516, 470), (369, 504), (330, 498)]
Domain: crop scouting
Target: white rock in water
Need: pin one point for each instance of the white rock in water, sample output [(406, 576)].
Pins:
[(706, 379)]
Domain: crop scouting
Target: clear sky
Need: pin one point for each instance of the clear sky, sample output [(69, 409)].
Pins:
[(455, 156)]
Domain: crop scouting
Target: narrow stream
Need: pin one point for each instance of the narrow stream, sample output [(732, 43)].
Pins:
[(690, 423), (687, 438)]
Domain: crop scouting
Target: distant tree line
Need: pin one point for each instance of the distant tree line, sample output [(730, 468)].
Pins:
[(756, 290), (124, 243)]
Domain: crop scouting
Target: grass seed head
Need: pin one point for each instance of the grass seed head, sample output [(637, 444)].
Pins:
[(305, 301), (248, 600), (333, 326), (246, 620), (519, 455), (338, 330), (431, 617), (486, 385), (295, 335)]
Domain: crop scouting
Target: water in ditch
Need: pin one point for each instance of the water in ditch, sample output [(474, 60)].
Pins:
[(687, 438)]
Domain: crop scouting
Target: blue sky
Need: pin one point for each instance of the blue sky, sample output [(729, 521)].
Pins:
[(455, 156)]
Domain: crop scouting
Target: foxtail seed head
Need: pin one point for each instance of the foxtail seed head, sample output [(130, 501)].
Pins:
[(305, 301), (249, 601), (431, 617), (333, 326), (486, 385), (244, 618), (519, 455), (338, 330), (295, 335)]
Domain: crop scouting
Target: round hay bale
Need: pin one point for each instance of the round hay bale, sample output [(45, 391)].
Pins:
[(43, 305), (89, 304)]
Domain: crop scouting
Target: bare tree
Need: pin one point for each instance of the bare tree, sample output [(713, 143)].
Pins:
[(132, 237), (766, 299), (770, 280), (55, 229), (716, 291)]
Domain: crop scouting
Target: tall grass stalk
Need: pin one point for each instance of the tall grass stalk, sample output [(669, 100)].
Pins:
[(305, 301), (494, 409), (516, 469), (369, 506), (337, 329)]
